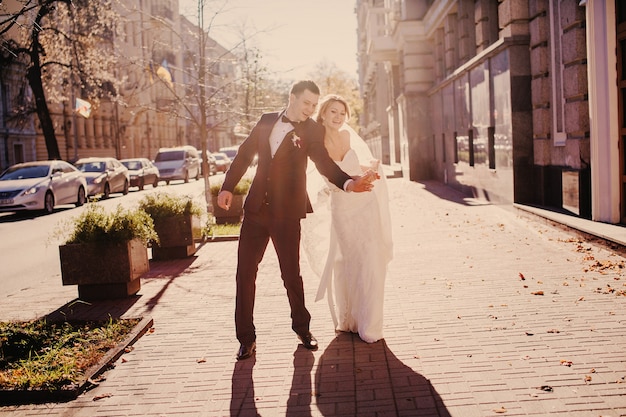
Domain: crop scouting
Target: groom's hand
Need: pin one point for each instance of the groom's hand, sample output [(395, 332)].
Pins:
[(363, 183), (224, 198)]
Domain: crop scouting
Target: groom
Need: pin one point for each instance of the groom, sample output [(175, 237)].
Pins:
[(277, 201)]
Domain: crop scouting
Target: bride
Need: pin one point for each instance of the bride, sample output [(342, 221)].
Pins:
[(353, 264)]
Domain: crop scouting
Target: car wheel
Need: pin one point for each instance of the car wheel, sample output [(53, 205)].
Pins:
[(107, 191), (80, 200), (156, 182), (48, 203), (186, 179), (126, 186), (140, 186)]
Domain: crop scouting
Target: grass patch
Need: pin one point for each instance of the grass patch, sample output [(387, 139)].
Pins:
[(41, 355), (212, 230), (224, 229)]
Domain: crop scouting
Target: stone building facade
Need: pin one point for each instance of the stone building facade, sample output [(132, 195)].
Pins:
[(158, 63), (513, 101)]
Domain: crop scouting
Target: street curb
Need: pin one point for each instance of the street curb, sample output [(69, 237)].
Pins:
[(223, 238)]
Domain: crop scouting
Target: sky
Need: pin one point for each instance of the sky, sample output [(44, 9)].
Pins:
[(294, 35)]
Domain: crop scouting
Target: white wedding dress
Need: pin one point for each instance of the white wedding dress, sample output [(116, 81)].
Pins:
[(355, 266)]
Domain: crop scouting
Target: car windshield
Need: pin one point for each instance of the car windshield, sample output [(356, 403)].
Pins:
[(21, 173), (132, 164), (170, 156), (91, 166)]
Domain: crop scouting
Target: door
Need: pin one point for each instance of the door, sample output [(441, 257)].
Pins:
[(59, 184)]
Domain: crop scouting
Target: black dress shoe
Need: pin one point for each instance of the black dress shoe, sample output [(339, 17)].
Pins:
[(245, 351), (309, 341)]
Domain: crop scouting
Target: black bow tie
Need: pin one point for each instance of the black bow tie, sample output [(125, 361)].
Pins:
[(285, 119)]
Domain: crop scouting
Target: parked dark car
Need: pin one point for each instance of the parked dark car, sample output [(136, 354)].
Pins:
[(41, 185), (141, 171), (230, 151), (222, 161), (105, 176)]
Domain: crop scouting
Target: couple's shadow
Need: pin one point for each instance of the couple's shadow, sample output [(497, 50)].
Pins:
[(351, 378), (242, 402)]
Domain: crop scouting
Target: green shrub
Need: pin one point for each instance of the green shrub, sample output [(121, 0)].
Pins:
[(241, 188), (161, 205), (95, 225)]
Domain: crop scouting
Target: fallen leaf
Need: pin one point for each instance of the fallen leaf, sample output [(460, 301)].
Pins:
[(522, 276), (93, 383), (201, 360), (537, 293), (546, 388), (101, 396), (587, 378), (529, 334), (500, 410), (566, 362)]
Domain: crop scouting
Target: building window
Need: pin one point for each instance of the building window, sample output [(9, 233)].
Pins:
[(556, 71), (18, 153)]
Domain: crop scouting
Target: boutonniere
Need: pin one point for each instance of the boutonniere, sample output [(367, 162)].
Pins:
[(295, 139)]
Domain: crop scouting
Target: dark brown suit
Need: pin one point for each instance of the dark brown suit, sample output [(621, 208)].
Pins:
[(274, 206)]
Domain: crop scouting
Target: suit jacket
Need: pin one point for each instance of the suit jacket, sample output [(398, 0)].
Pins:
[(281, 181)]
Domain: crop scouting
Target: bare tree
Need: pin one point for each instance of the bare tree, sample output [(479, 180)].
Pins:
[(333, 80)]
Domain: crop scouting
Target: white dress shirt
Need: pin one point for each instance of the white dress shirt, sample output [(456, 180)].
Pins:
[(279, 131)]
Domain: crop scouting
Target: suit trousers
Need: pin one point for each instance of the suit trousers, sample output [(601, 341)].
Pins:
[(256, 231)]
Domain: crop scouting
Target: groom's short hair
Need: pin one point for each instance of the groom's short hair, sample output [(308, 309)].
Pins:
[(301, 86)]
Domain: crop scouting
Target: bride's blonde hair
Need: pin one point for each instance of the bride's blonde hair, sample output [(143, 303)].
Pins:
[(327, 101)]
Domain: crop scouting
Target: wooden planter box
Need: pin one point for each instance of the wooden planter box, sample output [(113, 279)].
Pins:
[(232, 216), (177, 236), (104, 270)]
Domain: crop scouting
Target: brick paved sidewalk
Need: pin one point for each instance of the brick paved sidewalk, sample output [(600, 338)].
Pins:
[(466, 331)]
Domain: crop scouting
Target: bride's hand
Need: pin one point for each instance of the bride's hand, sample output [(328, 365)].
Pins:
[(371, 175)]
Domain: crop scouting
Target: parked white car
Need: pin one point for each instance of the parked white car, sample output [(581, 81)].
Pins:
[(41, 185), (180, 163)]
